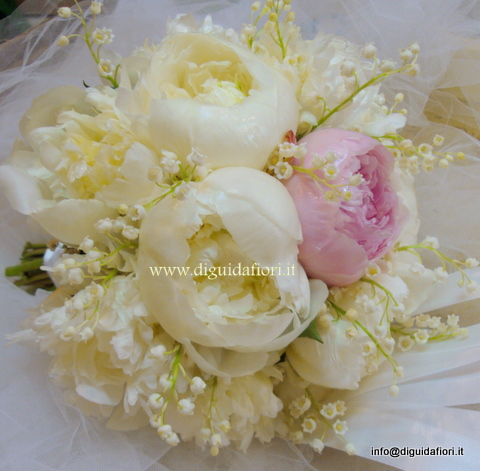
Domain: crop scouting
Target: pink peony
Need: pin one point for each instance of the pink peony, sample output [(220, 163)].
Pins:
[(340, 238)]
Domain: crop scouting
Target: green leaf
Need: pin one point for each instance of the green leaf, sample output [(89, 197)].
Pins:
[(311, 332)]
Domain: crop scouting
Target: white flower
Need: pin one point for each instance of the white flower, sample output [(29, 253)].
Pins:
[(317, 445), (183, 191), (158, 351), (421, 336), (155, 174), (164, 431), (76, 276), (369, 51), (86, 245), (327, 72), (350, 448), (227, 220), (96, 7), (195, 158), (309, 425), (104, 225), (340, 427), (283, 170), (405, 342), (452, 320), (130, 232), (63, 40), (102, 36), (225, 426), (185, 406), (64, 12), (172, 439), (471, 262), (73, 174), (343, 358), (105, 68), (394, 390), (105, 366), (329, 411), (155, 401), (197, 385), (137, 212), (299, 406), (201, 92)]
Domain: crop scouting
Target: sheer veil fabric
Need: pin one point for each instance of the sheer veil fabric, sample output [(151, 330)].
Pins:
[(436, 405)]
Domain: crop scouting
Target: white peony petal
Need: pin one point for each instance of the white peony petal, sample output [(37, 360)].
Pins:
[(243, 134), (225, 363), (134, 184), (72, 220), (21, 189)]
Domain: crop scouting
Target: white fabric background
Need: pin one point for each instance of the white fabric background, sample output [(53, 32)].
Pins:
[(38, 432)]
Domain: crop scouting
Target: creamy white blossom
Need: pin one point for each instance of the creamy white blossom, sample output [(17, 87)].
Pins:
[(66, 179), (200, 91), (227, 220)]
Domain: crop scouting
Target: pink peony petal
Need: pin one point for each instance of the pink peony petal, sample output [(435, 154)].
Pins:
[(340, 238)]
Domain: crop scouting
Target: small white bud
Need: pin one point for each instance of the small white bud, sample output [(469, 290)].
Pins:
[(68, 333), (225, 426), (413, 70), (96, 7), (64, 12), (103, 225), (351, 315), (94, 267), (155, 401), (86, 245), (137, 212), (76, 276), (158, 351), (164, 430), (155, 174), (172, 439), (414, 47), (350, 449), (130, 232), (317, 445), (369, 51), (387, 66), (182, 191), (185, 406), (347, 68), (86, 334), (195, 158), (197, 386), (351, 332), (406, 55), (393, 390), (63, 40)]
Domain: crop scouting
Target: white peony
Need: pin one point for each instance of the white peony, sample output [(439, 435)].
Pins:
[(102, 348), (201, 91), (228, 324), (321, 72), (78, 162)]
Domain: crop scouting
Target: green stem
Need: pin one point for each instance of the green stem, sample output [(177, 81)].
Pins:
[(24, 267)]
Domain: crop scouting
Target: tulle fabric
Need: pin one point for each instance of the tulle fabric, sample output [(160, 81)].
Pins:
[(436, 406)]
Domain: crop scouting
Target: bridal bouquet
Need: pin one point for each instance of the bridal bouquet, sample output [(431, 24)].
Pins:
[(235, 229)]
